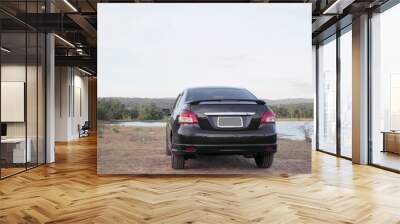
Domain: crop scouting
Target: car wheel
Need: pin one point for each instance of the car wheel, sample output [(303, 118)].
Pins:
[(178, 161), (168, 145), (264, 160)]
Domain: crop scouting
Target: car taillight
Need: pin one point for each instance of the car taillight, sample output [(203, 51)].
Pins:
[(187, 117), (190, 149), (268, 117)]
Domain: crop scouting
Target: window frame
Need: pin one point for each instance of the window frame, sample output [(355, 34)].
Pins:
[(334, 37)]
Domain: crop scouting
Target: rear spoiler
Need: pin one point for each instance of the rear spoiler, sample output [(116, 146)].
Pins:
[(261, 102)]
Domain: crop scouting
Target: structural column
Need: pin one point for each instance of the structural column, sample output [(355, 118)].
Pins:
[(50, 99), (50, 92), (92, 100), (360, 90)]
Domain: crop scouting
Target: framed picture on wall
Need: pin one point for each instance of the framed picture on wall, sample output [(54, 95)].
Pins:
[(12, 101)]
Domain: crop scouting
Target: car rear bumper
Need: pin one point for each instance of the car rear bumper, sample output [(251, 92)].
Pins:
[(236, 149), (191, 139)]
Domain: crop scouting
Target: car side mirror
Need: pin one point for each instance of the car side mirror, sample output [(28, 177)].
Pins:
[(166, 111)]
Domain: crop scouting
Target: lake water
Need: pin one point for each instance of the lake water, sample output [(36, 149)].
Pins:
[(286, 129)]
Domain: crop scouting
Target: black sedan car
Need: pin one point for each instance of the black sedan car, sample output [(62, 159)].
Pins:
[(220, 121)]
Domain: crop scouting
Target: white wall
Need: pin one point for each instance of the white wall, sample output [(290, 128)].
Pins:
[(80, 110), (13, 100), (61, 103), (70, 84), (12, 73)]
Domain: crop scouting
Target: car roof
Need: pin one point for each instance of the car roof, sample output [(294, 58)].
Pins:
[(212, 87)]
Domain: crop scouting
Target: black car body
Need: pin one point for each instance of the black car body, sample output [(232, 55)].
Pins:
[(220, 121)]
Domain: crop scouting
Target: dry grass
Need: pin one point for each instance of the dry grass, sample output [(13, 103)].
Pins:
[(141, 150)]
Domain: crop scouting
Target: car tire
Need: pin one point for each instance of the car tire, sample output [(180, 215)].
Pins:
[(168, 145), (264, 160), (178, 161)]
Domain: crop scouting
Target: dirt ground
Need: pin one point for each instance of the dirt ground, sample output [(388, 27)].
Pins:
[(141, 150)]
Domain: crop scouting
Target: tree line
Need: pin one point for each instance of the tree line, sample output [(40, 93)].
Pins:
[(114, 109), (111, 109), (294, 111)]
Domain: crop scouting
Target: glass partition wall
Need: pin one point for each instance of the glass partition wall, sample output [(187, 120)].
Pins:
[(346, 93), (334, 95), (334, 67), (385, 89), (13, 89), (22, 77), (327, 95)]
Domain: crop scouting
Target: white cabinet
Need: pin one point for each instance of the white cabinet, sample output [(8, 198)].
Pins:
[(19, 154)]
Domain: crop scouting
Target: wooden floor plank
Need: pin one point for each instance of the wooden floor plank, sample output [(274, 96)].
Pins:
[(70, 191)]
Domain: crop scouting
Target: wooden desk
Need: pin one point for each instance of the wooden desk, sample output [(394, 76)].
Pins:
[(19, 155), (391, 141)]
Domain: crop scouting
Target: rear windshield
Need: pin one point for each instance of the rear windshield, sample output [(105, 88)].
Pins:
[(203, 94)]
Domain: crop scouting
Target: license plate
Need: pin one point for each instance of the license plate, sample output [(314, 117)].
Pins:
[(230, 122)]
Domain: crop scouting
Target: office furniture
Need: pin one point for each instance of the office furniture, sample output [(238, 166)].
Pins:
[(3, 130), (13, 150), (391, 141), (84, 130)]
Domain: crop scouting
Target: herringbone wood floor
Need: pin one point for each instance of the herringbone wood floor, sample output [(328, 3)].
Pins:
[(69, 191)]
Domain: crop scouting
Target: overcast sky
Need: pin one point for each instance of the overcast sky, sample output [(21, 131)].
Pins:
[(157, 50)]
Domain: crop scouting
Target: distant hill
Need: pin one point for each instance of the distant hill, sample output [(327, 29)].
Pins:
[(168, 102), (290, 101)]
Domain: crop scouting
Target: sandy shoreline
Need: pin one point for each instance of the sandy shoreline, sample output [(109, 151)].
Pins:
[(141, 150)]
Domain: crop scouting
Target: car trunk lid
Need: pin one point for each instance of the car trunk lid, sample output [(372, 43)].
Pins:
[(228, 115)]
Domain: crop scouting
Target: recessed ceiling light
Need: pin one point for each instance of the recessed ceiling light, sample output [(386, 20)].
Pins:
[(5, 50), (338, 6), (64, 40), (70, 5), (84, 71)]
